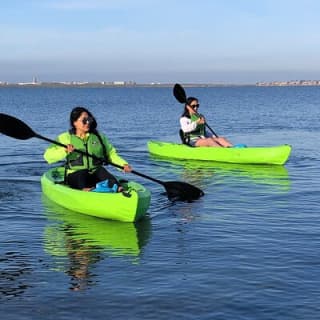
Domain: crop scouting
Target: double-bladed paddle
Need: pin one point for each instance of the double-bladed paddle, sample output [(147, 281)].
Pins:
[(181, 96), (175, 190)]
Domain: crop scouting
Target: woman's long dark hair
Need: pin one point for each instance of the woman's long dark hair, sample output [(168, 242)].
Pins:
[(76, 113), (185, 111)]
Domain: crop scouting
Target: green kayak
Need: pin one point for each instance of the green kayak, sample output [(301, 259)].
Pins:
[(250, 155), (127, 207)]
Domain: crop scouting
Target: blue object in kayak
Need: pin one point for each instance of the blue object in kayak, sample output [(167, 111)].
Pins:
[(240, 145), (103, 186)]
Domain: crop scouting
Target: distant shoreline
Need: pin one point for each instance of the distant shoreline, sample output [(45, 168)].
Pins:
[(99, 85), (131, 84)]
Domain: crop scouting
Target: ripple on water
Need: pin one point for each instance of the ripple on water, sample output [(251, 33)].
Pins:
[(15, 268)]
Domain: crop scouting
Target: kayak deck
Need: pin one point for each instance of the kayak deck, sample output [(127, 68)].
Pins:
[(248, 155), (127, 207)]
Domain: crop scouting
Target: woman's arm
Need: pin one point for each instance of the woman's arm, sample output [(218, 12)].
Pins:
[(112, 152), (56, 153), (187, 125)]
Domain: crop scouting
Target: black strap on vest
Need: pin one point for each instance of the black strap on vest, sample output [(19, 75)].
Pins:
[(185, 138), (105, 155)]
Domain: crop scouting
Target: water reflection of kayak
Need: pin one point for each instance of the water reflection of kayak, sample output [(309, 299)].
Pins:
[(263, 174), (249, 155), (92, 233), (128, 206)]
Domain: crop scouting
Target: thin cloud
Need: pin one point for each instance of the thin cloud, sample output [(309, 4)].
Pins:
[(97, 4)]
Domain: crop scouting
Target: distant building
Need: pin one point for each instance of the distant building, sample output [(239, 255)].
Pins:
[(290, 83), (34, 82)]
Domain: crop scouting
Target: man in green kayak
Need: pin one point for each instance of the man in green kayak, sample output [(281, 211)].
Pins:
[(193, 128), (82, 171)]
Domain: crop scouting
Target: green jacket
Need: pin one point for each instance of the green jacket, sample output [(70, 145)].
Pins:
[(90, 144)]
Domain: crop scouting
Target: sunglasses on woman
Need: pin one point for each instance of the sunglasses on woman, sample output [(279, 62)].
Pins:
[(195, 106), (87, 120)]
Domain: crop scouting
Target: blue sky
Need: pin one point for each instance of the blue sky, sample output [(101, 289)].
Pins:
[(238, 41)]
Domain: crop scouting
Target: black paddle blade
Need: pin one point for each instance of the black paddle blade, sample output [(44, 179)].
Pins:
[(179, 93), (15, 128), (182, 191)]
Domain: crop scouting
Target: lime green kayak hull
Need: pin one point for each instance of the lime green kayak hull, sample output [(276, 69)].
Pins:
[(113, 206), (250, 155)]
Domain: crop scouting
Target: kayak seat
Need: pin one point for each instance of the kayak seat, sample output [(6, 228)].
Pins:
[(183, 138)]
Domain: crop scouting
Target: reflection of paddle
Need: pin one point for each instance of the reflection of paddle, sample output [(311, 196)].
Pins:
[(176, 190), (181, 96)]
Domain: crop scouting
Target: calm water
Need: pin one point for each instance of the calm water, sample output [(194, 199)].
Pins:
[(249, 249)]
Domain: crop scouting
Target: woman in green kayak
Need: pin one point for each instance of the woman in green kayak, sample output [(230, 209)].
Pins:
[(193, 128), (84, 172)]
